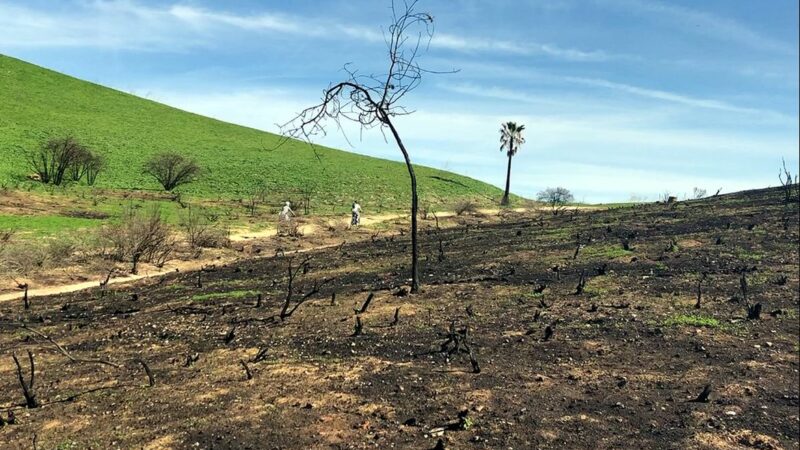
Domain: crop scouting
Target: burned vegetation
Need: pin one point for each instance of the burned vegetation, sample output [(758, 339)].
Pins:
[(660, 326)]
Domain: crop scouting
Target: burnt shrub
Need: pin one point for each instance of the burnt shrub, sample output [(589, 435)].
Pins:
[(139, 236)]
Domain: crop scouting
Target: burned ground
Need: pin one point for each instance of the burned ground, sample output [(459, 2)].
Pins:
[(616, 365)]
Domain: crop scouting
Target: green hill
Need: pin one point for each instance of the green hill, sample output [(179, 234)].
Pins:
[(37, 103)]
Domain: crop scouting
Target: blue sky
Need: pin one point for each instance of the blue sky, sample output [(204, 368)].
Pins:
[(620, 98)]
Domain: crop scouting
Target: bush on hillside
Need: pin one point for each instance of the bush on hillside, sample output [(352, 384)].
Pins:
[(62, 159), (172, 169), (140, 236), (93, 164)]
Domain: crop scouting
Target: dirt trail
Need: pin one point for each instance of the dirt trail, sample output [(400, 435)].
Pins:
[(180, 266), (188, 266), (238, 236)]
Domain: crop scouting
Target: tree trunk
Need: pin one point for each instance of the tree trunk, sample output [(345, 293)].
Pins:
[(414, 205), (508, 183)]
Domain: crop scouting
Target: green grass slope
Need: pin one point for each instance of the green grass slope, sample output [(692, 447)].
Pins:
[(37, 103)]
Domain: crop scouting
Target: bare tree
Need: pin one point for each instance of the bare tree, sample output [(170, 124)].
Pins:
[(372, 101), (787, 182), (92, 167), (87, 164), (699, 193), (76, 169), (256, 197), (53, 159), (171, 169), (557, 198)]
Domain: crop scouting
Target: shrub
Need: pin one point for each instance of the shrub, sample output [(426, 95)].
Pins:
[(23, 258), (698, 193), (256, 197), (202, 229), (290, 227), (466, 207), (140, 236), (426, 211), (92, 166), (53, 159), (557, 198), (171, 169)]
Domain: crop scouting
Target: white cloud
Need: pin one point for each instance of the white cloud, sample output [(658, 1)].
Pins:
[(677, 98), (517, 95), (459, 43), (122, 24), (703, 23)]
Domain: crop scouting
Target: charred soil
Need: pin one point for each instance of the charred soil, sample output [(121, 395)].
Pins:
[(581, 330)]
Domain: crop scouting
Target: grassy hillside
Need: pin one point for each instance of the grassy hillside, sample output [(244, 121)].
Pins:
[(36, 103)]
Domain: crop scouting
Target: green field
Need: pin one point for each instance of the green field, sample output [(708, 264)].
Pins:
[(37, 103)]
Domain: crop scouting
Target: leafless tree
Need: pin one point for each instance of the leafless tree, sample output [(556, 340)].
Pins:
[(53, 159), (171, 169), (92, 167), (557, 198), (256, 197), (699, 193), (374, 100), (788, 183)]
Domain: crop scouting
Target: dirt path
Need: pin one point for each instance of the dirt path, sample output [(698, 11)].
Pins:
[(180, 266), (237, 236), (188, 266)]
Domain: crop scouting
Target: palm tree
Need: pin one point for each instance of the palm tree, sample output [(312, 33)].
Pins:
[(510, 140)]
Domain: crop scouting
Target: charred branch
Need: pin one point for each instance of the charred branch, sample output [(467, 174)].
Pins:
[(358, 330), (28, 388), (366, 303), (151, 379), (247, 373)]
